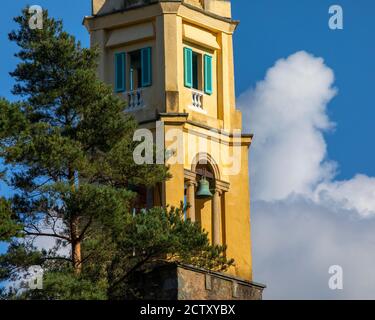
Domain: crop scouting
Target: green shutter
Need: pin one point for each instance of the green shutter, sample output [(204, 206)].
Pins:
[(208, 74), (120, 67), (188, 63), (146, 67)]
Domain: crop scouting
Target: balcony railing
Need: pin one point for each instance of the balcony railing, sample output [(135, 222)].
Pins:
[(197, 101), (135, 100)]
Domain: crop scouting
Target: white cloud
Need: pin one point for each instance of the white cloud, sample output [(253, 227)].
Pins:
[(287, 113), (295, 241), (355, 194), (304, 220)]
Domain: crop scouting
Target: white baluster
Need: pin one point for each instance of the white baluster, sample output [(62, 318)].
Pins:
[(135, 99), (194, 99), (140, 102), (199, 101)]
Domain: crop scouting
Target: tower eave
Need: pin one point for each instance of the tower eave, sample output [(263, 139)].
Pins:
[(219, 9)]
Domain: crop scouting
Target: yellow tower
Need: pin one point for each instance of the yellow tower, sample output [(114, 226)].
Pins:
[(172, 60)]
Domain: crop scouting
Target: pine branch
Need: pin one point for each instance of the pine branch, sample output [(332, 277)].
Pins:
[(42, 234), (59, 258), (82, 235)]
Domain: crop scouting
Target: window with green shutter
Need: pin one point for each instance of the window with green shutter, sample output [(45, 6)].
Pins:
[(198, 71), (120, 67), (140, 68), (208, 89), (188, 66)]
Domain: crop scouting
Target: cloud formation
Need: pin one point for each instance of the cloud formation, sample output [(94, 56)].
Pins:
[(295, 241), (304, 220), (287, 113), (357, 194)]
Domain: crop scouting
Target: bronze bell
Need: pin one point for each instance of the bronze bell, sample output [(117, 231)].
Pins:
[(204, 189)]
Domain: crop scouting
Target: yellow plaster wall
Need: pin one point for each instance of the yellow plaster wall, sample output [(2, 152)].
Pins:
[(204, 215), (237, 228), (175, 187), (219, 7), (200, 37)]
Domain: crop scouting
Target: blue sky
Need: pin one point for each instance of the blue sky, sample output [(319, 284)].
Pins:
[(271, 30)]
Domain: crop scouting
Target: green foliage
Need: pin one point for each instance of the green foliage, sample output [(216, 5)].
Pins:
[(8, 223), (68, 286), (18, 259), (68, 149), (152, 236)]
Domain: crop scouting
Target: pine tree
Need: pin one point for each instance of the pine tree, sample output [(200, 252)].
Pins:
[(68, 150)]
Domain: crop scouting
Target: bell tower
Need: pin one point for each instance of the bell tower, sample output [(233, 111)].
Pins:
[(172, 61)]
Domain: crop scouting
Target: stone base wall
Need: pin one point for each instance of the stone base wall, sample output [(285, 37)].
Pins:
[(177, 282)]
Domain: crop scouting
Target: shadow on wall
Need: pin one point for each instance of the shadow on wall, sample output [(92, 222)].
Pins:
[(101, 7)]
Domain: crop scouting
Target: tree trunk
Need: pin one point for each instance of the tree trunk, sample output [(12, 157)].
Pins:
[(74, 231), (76, 246)]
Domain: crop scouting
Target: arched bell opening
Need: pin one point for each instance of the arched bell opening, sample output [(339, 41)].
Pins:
[(205, 196)]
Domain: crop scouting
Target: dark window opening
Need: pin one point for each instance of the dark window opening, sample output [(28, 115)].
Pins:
[(135, 70), (195, 71)]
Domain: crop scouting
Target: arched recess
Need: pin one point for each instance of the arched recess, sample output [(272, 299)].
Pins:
[(205, 158), (208, 212)]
